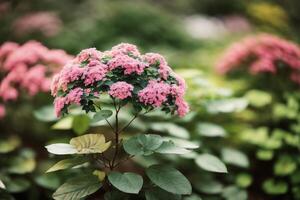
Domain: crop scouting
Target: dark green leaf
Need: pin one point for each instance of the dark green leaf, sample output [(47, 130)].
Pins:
[(127, 182), (81, 123), (159, 194), (101, 115), (211, 163)]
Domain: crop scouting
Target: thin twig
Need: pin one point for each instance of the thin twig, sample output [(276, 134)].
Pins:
[(124, 160), (98, 106)]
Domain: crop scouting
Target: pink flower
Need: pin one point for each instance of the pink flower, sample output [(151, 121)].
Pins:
[(155, 93), (7, 48), (91, 53), (182, 106), (129, 64), (94, 73), (71, 72), (59, 104), (120, 90), (157, 59), (74, 96), (124, 49)]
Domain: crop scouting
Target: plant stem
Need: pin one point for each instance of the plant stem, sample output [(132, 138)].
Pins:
[(116, 135)]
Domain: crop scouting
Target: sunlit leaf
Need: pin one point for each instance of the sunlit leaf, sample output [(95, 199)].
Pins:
[(127, 182), (61, 149), (23, 163), (81, 124), (243, 180), (90, 143), (172, 129), (100, 174), (67, 163), (209, 186), (9, 144), (64, 123), (211, 163), (210, 130), (226, 105), (77, 188), (273, 187), (235, 157), (258, 98), (101, 115), (45, 114), (169, 179), (2, 186), (168, 147)]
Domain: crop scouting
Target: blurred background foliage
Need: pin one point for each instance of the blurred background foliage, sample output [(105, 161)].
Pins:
[(252, 131)]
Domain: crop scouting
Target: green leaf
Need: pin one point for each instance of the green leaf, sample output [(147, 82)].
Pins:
[(67, 163), (243, 180), (90, 143), (193, 197), (235, 157), (2, 186), (100, 174), (159, 194), (116, 195), (22, 165), (45, 114), (226, 105), (172, 129), (210, 130), (264, 154), (210, 163), (80, 124), (270, 186), (48, 181), (9, 144), (258, 98), (101, 115), (183, 143), (142, 144), (17, 185), (209, 186), (168, 147), (169, 179), (285, 166), (127, 182), (64, 124), (61, 149), (234, 193), (77, 188)]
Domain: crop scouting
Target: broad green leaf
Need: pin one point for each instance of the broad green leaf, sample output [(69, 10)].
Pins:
[(243, 180), (168, 147), (77, 188), (227, 105), (193, 197), (116, 195), (208, 186), (81, 124), (17, 185), (9, 144), (172, 129), (235, 157), (101, 115), (159, 194), (142, 144), (210, 130), (264, 154), (285, 166), (22, 165), (169, 179), (273, 187), (210, 163), (128, 182), (45, 114), (183, 143), (90, 143), (2, 186), (48, 181), (234, 193), (61, 149), (67, 163), (258, 98), (64, 123)]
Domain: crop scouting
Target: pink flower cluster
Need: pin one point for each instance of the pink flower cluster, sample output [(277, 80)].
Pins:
[(47, 23), (27, 67), (122, 72), (263, 54)]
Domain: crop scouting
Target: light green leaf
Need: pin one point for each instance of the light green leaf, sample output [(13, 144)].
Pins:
[(210, 130), (168, 147), (243, 180), (142, 144), (77, 188), (67, 163), (258, 98), (183, 143), (234, 193), (211, 163), (22, 165), (235, 157), (209, 186), (90, 143), (270, 186), (264, 154), (127, 182), (101, 115), (285, 166), (61, 149), (159, 194), (169, 179), (80, 124), (170, 128), (227, 105), (2, 186), (45, 114), (193, 197), (9, 144), (64, 124), (100, 174), (48, 181)]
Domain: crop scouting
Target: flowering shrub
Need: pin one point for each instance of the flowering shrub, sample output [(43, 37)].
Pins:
[(145, 82), (263, 54), (28, 67)]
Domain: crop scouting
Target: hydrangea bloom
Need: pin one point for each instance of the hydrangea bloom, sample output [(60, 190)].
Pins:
[(263, 54), (125, 74), (28, 67)]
